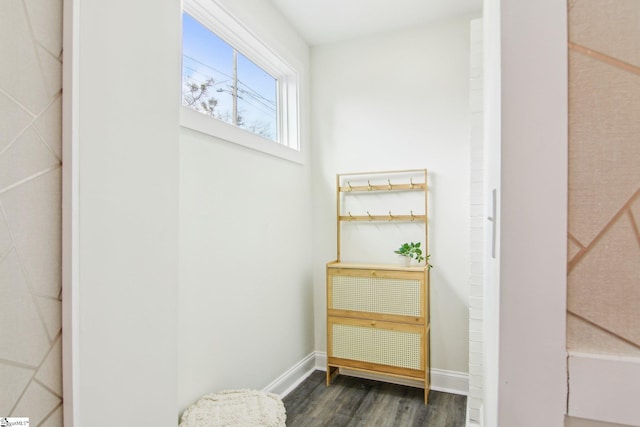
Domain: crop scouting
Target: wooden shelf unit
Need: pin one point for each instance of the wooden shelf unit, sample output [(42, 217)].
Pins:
[(378, 319), (381, 183)]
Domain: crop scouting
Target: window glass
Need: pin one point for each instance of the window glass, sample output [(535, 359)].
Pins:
[(257, 92), (222, 83)]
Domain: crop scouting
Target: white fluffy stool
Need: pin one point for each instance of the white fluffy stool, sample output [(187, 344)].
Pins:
[(236, 408)]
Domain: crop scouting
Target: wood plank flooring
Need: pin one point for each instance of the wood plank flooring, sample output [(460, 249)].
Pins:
[(356, 402)]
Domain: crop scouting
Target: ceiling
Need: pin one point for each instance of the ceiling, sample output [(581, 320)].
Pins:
[(329, 21)]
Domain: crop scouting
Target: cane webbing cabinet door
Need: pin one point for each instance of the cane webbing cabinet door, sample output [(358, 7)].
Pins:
[(378, 320)]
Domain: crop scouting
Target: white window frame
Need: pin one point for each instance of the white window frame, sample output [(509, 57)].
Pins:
[(217, 19)]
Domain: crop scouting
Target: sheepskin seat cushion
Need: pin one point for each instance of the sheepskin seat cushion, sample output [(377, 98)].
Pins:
[(236, 408)]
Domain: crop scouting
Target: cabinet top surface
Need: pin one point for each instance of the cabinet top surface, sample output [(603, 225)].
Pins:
[(338, 264)]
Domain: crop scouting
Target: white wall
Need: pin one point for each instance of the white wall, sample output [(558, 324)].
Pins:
[(245, 306), (399, 101), (532, 140), (491, 264), (121, 212)]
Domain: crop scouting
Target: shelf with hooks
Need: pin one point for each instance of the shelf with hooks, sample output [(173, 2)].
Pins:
[(389, 186), (388, 217), (395, 196)]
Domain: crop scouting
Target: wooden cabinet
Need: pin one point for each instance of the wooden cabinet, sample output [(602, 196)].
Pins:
[(378, 320), (378, 314)]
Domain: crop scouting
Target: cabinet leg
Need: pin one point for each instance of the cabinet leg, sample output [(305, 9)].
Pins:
[(427, 388), (331, 372)]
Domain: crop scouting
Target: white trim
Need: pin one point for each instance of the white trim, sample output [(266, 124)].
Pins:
[(583, 422), (475, 423), (321, 361), (286, 382), (604, 357), (526, 337), (219, 20), (199, 122), (441, 380), (604, 388), (450, 381), (70, 216), (214, 15)]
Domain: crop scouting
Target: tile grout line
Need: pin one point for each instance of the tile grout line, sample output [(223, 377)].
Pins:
[(8, 252), (34, 47), (581, 254), (31, 124), (57, 58), (603, 329), (46, 417), (581, 248), (19, 134), (18, 103), (30, 178), (605, 58), (575, 240), (35, 129), (17, 364), (23, 268), (634, 224), (57, 338), (35, 371)]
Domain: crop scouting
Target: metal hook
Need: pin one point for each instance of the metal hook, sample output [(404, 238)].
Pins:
[(412, 217), (349, 184), (370, 217), (411, 183), (390, 186), (390, 216), (350, 216), (369, 183)]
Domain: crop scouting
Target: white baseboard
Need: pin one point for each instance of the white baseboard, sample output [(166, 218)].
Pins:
[(293, 376), (450, 381), (441, 380), (604, 388), (321, 360), (475, 423)]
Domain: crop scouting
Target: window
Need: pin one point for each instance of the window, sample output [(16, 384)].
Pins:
[(233, 86), (219, 81)]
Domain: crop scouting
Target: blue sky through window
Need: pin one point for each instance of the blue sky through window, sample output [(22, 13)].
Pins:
[(208, 60)]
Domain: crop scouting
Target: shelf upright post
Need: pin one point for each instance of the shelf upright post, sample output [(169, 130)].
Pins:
[(338, 213), (426, 213)]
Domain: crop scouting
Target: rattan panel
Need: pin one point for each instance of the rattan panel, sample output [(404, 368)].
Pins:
[(376, 345), (376, 295)]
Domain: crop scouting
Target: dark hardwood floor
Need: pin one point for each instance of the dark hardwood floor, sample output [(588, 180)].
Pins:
[(359, 402)]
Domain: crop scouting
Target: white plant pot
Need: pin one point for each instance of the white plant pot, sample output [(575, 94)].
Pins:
[(405, 261)]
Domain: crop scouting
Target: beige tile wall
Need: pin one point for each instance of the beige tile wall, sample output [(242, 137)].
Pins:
[(30, 216), (604, 177)]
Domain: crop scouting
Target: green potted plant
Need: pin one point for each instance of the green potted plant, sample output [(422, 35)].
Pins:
[(412, 251)]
